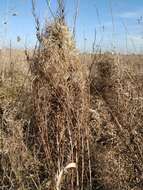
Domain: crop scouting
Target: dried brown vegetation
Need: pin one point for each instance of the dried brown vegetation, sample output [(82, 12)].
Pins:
[(70, 125)]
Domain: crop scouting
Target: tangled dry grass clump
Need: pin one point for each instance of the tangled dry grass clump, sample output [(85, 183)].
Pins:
[(61, 102)]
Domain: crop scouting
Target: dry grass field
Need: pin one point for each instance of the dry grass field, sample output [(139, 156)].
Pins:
[(70, 121)]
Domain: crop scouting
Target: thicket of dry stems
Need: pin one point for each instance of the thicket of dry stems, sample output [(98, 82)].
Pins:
[(62, 128)]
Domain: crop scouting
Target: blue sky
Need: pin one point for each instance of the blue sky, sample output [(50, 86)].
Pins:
[(118, 23)]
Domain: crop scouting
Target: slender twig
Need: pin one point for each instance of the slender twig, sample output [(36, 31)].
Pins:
[(37, 22), (49, 7), (75, 17)]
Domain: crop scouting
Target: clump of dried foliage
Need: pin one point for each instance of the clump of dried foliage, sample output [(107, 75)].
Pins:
[(61, 101)]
